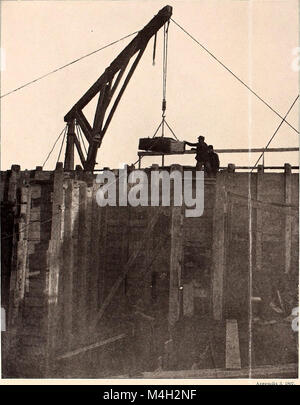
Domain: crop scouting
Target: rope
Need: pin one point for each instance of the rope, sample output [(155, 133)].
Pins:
[(165, 59), (165, 67), (62, 144), (171, 131), (53, 147), (157, 129), (81, 136), (68, 64), (277, 129), (234, 75)]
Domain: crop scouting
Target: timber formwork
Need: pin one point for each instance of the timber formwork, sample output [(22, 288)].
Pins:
[(69, 268)]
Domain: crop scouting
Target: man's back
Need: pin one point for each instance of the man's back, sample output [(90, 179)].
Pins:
[(202, 151), (215, 162)]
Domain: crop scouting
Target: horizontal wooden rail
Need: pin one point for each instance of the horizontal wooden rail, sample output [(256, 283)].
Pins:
[(191, 152), (260, 167), (141, 154), (238, 167)]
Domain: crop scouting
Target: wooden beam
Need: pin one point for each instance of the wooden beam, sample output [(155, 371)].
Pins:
[(118, 79), (192, 152), (94, 145), (79, 150), (54, 266), (128, 77), (84, 125), (68, 264), (218, 247), (91, 347), (128, 52), (267, 371), (188, 299), (176, 258), (69, 154), (232, 357), (259, 225), (288, 218), (105, 100), (20, 255), (100, 109)]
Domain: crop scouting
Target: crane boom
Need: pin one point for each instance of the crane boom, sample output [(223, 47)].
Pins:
[(104, 88)]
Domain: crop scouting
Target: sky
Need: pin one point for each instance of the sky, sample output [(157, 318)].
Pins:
[(256, 39)]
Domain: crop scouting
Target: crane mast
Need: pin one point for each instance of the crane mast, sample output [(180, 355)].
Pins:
[(104, 88)]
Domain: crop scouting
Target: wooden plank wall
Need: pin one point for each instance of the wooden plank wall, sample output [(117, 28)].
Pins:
[(69, 252)]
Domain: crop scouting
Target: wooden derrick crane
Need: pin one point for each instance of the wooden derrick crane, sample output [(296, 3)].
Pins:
[(104, 88)]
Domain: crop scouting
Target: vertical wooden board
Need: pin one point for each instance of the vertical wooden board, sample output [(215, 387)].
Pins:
[(288, 221), (68, 266), (88, 262), (20, 264), (53, 274), (259, 225), (101, 268), (60, 232), (218, 247), (52, 291), (124, 244), (75, 250), (188, 299), (95, 255), (233, 358), (13, 184), (81, 287), (236, 278), (75, 206), (145, 279), (176, 260), (257, 257), (57, 204)]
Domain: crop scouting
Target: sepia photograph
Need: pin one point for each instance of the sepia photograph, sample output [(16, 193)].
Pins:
[(150, 191)]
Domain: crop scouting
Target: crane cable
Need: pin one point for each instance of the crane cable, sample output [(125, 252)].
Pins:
[(272, 137), (165, 70), (62, 144), (234, 75), (57, 139), (164, 86), (66, 65)]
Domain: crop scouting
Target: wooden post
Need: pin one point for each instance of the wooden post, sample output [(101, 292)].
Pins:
[(259, 224), (86, 251), (94, 269), (20, 259), (176, 257), (232, 357), (218, 247), (68, 262), (288, 217), (188, 299), (53, 269), (69, 155)]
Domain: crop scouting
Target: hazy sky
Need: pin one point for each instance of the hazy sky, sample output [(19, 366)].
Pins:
[(255, 39)]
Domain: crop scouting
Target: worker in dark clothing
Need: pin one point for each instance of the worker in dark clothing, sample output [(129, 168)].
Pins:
[(201, 154), (214, 160)]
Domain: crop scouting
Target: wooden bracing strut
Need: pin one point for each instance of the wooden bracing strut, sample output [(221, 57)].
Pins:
[(104, 88)]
